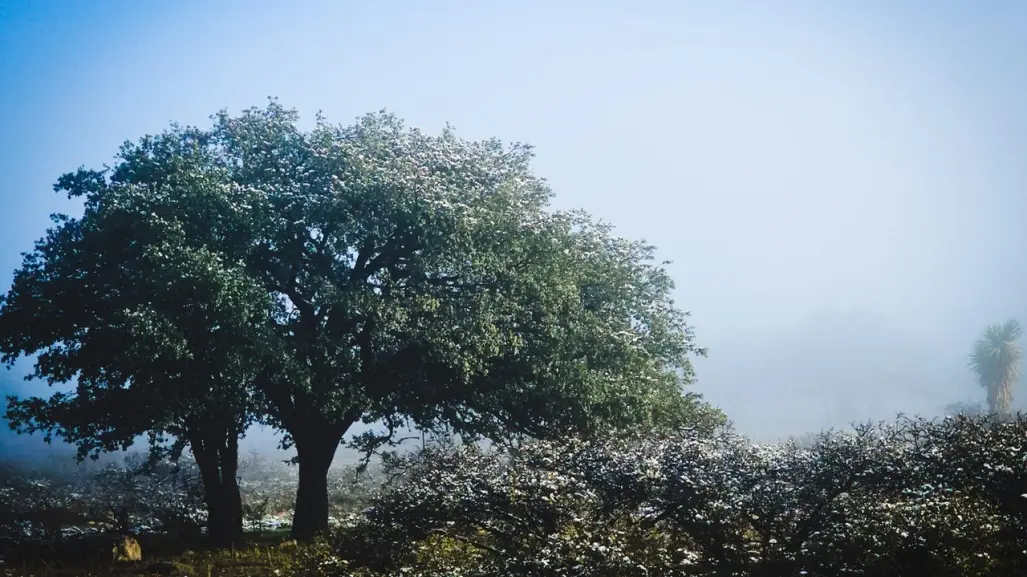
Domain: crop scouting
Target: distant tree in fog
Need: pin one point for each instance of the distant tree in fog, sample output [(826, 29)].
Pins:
[(969, 408), (996, 362)]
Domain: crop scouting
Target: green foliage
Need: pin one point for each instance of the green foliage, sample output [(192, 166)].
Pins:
[(421, 279), (144, 304), (915, 497), (155, 331), (996, 362), (315, 279)]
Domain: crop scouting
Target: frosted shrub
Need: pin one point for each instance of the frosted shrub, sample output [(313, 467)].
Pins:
[(914, 497)]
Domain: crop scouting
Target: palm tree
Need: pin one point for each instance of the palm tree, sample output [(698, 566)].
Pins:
[(996, 362)]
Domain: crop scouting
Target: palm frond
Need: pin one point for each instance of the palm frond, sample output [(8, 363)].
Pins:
[(996, 362)]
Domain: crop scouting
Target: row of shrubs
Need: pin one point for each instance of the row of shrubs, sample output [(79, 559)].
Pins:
[(915, 497)]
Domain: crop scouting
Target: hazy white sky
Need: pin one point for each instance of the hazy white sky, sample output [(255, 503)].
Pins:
[(789, 157)]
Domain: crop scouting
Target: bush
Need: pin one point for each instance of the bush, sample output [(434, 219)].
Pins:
[(914, 497), (139, 496), (131, 496), (944, 497)]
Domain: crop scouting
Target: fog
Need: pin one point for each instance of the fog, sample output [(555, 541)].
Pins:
[(840, 186)]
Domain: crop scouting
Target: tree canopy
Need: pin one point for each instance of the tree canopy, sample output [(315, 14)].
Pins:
[(314, 279)]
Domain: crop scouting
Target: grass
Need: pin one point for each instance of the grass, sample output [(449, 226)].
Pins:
[(268, 554)]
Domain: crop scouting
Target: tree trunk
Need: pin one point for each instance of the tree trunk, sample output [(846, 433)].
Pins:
[(314, 454), (216, 450), (224, 517), (229, 463)]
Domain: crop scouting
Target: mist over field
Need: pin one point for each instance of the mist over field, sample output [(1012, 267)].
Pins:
[(840, 186), (668, 288)]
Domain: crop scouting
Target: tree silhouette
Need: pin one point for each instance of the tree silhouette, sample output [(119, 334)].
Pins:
[(996, 362)]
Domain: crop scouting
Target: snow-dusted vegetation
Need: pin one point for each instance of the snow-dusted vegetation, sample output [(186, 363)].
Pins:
[(944, 497)]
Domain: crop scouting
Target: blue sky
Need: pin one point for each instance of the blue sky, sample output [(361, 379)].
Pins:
[(789, 157)]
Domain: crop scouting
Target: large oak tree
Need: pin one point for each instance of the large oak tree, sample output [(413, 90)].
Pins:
[(416, 279)]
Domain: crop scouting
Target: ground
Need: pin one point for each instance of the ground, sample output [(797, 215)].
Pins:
[(269, 554)]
